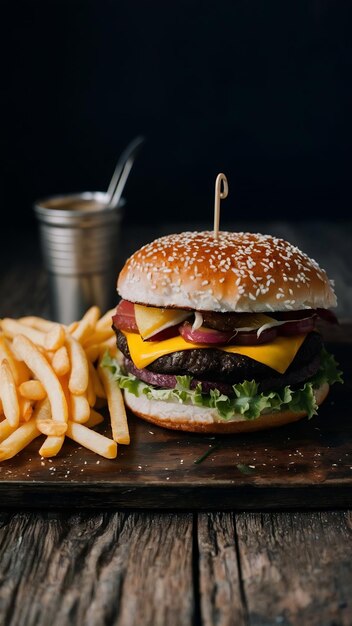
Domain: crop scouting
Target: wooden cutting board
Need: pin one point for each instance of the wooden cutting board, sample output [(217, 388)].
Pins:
[(304, 465)]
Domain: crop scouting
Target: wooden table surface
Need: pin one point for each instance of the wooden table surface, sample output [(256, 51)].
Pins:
[(155, 568)]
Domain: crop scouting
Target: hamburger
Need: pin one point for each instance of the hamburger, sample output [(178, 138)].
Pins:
[(220, 335)]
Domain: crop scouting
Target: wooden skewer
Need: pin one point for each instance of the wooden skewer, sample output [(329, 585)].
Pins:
[(219, 195)]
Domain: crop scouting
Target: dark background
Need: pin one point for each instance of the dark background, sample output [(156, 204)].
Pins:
[(259, 90)]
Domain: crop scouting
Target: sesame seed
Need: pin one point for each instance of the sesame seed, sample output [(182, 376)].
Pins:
[(168, 262)]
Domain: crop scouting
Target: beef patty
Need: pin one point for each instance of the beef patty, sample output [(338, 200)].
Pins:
[(215, 365)]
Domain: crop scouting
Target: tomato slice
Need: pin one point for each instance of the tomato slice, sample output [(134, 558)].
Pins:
[(124, 318)]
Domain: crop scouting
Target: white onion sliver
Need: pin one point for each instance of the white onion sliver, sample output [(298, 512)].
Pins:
[(277, 323), (270, 325), (198, 320)]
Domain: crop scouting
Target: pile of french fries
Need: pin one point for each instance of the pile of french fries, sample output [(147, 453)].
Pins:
[(52, 383)]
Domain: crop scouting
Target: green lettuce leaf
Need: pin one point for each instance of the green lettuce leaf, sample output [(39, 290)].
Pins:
[(328, 371), (246, 401)]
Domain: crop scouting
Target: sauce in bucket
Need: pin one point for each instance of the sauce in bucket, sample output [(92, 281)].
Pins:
[(74, 203)]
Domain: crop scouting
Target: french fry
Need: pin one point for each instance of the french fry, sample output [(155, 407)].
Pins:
[(92, 440), (42, 410), (32, 390), (78, 380), (26, 409), (51, 446), (95, 418), (55, 338), (61, 361), (109, 345), (91, 395), (8, 394), (19, 370), (106, 320), (44, 420), (98, 337), (93, 352), (38, 323), (64, 385), (6, 430), (12, 328), (26, 351), (50, 386), (50, 428), (118, 418), (83, 331), (92, 315), (48, 354), (80, 409), (18, 440), (87, 324), (96, 382)]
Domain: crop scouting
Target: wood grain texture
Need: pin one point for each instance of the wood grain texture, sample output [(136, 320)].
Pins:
[(221, 600), (296, 568), (107, 568)]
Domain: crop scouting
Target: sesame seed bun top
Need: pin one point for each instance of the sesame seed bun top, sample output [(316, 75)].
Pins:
[(240, 272)]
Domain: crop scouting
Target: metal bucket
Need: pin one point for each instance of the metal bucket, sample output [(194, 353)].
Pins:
[(79, 239)]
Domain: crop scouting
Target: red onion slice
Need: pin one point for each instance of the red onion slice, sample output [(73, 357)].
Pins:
[(251, 338), (297, 327), (204, 335), (168, 381)]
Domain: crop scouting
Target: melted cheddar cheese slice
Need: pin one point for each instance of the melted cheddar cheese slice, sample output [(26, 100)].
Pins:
[(278, 354)]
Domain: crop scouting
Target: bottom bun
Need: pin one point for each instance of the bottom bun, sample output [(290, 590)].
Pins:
[(204, 420)]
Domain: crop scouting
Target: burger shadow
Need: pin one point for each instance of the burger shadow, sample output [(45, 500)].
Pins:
[(307, 450)]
